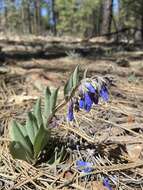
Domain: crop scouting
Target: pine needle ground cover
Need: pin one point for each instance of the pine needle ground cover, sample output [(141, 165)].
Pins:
[(99, 149)]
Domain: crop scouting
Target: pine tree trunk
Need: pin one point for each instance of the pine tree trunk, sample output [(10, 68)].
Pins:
[(37, 18), (54, 28), (23, 17), (106, 16), (142, 27), (29, 17), (5, 19), (142, 21)]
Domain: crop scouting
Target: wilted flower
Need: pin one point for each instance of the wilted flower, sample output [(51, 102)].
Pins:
[(106, 183), (83, 166)]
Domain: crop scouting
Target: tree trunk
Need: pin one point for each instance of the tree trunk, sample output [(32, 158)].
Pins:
[(5, 18), (53, 18), (29, 17), (23, 18), (37, 18), (106, 16), (142, 21)]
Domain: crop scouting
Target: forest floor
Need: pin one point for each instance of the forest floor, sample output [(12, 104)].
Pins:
[(110, 136)]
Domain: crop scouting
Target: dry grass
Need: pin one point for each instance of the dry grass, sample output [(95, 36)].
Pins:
[(110, 137)]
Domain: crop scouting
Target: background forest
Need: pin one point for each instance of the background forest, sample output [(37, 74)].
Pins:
[(84, 18)]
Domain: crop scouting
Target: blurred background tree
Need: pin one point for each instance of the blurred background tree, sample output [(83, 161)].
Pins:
[(83, 18)]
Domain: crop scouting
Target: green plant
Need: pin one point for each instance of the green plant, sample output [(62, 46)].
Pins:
[(29, 140)]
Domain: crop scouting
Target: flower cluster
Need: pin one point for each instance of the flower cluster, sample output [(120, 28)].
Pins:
[(90, 91)]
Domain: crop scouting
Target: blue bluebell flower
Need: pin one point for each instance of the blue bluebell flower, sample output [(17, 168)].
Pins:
[(88, 97), (104, 93), (87, 101), (70, 114), (90, 87), (106, 183), (81, 103), (83, 166), (89, 92)]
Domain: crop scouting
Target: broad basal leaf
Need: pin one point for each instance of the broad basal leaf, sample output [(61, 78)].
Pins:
[(68, 86), (40, 140), (47, 103), (17, 136), (31, 127), (75, 77), (53, 99), (50, 103), (22, 128), (18, 151), (37, 112)]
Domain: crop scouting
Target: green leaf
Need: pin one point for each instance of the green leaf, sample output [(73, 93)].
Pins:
[(18, 151), (37, 112), (68, 86), (18, 136), (35, 124), (75, 76), (53, 99), (72, 82), (22, 129), (40, 140), (31, 127), (47, 103)]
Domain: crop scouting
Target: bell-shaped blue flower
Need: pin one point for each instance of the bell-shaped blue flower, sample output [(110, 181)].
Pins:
[(106, 183), (83, 166), (81, 103), (70, 114), (87, 102), (90, 88), (104, 93)]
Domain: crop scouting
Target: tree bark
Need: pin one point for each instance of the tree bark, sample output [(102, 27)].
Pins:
[(5, 18), (106, 16), (29, 17), (37, 18), (53, 27), (142, 21)]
